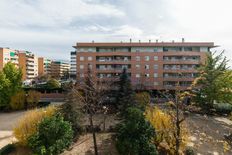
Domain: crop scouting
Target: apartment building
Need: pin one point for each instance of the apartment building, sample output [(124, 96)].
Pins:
[(44, 66), (154, 65), (8, 55), (28, 62), (60, 69), (73, 65)]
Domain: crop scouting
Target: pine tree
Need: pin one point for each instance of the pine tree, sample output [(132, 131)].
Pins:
[(212, 84), (125, 96)]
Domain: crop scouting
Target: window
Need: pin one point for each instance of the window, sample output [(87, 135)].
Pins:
[(90, 58), (137, 75), (188, 48), (147, 75), (155, 49), (147, 58), (155, 66), (137, 58), (155, 75), (156, 83), (81, 66), (165, 49), (137, 66), (146, 66), (82, 58), (155, 58)]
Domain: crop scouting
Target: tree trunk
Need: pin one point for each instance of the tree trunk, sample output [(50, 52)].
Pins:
[(94, 135), (177, 127)]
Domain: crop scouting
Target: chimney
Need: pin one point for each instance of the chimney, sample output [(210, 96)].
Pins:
[(121, 41), (139, 41), (92, 41), (130, 40), (156, 40), (150, 41), (182, 40), (173, 41)]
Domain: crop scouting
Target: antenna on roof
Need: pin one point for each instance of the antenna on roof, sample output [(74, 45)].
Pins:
[(183, 40)]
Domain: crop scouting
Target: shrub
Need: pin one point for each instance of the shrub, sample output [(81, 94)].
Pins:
[(33, 98), (134, 135), (189, 151), (230, 117), (53, 136), (17, 101), (165, 130), (72, 113), (27, 126), (7, 149), (53, 84), (223, 108)]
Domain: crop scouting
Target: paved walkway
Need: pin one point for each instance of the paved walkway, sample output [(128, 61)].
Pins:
[(7, 123)]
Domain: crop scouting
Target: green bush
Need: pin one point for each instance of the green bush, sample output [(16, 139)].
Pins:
[(189, 151), (134, 135), (53, 136), (7, 149), (223, 108), (71, 113)]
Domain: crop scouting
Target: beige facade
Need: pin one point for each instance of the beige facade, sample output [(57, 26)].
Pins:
[(8, 55), (44, 66), (59, 69), (153, 65), (28, 62)]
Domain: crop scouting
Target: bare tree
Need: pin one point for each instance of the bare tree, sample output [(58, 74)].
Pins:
[(176, 101), (90, 95)]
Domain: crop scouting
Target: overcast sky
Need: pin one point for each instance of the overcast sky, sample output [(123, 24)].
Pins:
[(50, 28)]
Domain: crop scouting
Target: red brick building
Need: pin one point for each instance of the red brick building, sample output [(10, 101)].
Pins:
[(155, 65)]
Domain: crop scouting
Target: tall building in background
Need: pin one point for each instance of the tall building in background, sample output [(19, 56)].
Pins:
[(73, 65), (28, 62), (60, 69), (44, 66), (8, 55), (150, 65)]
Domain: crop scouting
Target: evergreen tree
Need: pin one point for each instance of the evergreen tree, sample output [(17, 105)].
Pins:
[(214, 82), (134, 135), (125, 96)]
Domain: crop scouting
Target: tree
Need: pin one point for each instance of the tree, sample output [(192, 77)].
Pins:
[(72, 112), (135, 134), (214, 82), (10, 83), (53, 84), (90, 95), (17, 101), (143, 99), (125, 96)]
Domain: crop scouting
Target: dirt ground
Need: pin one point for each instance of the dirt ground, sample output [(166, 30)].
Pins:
[(207, 134), (85, 146)]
